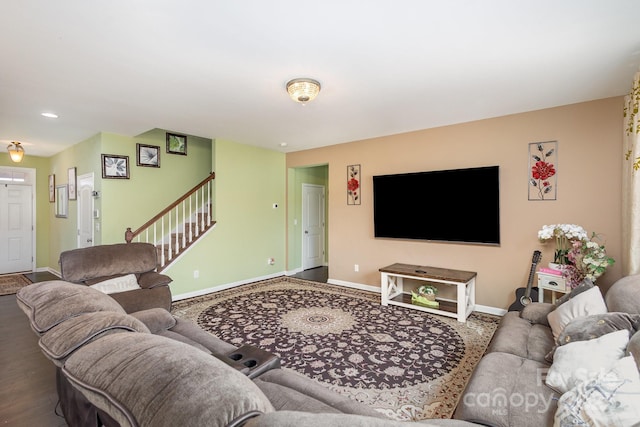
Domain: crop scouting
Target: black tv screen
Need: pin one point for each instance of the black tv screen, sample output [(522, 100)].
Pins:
[(458, 205)]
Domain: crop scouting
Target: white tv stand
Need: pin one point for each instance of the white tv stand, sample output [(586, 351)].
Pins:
[(393, 292)]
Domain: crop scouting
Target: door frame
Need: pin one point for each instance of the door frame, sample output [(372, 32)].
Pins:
[(324, 223), (31, 182)]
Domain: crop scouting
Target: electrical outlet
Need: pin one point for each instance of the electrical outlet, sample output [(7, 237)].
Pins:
[(356, 267), (196, 274), (271, 261)]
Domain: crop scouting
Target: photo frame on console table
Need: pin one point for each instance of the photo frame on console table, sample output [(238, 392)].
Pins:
[(353, 185), (114, 166), (543, 170)]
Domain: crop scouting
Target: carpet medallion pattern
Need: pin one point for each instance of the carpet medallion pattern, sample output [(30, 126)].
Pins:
[(407, 364)]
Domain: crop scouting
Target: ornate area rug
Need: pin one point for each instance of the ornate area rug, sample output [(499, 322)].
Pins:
[(10, 283), (407, 364)]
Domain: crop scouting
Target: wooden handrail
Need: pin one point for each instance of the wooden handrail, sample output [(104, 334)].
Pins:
[(130, 235)]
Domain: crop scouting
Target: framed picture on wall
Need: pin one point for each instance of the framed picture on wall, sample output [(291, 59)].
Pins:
[(176, 144), (52, 188), (73, 193), (148, 155), (114, 166)]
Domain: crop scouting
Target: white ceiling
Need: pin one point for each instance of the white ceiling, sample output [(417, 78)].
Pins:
[(218, 69)]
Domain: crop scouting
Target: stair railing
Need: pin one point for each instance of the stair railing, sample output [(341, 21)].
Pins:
[(178, 225)]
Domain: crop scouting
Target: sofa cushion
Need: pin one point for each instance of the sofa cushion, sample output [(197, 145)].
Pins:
[(156, 319), (520, 337), (80, 265), (144, 379), (128, 282), (63, 339), (584, 360), (610, 399), (305, 419), (287, 390), (623, 295), (584, 304), (508, 390), (46, 304)]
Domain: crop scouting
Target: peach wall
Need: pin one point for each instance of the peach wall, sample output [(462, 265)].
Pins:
[(589, 139)]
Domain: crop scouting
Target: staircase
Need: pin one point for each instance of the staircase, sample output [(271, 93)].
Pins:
[(179, 225)]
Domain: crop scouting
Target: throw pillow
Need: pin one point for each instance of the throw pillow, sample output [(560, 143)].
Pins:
[(584, 360), (585, 285), (584, 304), (590, 327), (610, 399), (117, 284)]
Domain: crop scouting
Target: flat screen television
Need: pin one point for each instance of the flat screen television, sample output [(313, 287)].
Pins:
[(457, 205)]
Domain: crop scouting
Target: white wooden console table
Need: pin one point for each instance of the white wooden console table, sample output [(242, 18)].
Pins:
[(393, 291)]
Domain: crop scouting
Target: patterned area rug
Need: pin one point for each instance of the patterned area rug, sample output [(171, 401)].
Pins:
[(10, 283), (406, 364)]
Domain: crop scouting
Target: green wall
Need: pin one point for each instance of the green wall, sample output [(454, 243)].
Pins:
[(249, 181), (248, 231), (132, 202)]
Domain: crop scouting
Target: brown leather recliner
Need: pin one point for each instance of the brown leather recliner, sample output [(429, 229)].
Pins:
[(96, 264)]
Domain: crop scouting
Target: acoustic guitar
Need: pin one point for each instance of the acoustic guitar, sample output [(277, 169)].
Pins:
[(524, 296)]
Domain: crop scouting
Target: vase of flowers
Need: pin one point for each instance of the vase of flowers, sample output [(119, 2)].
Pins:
[(577, 255), (587, 260), (564, 235)]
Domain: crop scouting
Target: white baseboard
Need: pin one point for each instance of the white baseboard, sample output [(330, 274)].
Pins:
[(490, 310), (222, 287), (354, 285), (480, 308)]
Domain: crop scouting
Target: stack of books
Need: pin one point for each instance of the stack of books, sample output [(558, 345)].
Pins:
[(550, 271)]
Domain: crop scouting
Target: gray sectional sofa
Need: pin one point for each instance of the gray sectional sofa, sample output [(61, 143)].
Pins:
[(148, 368), (510, 385)]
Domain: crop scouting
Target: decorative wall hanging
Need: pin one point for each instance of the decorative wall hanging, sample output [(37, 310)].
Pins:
[(353, 185), (176, 144), (148, 155), (52, 188), (73, 193), (114, 166), (543, 170), (62, 201)]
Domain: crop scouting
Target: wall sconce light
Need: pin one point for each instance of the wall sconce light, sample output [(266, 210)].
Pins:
[(16, 152), (303, 90)]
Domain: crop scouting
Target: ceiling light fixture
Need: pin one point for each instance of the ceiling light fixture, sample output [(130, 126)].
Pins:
[(50, 115), (303, 90), (16, 152)]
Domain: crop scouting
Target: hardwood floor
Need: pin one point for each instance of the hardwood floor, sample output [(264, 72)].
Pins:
[(28, 394), (318, 274)]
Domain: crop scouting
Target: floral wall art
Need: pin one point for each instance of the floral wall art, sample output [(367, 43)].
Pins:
[(543, 170), (353, 185)]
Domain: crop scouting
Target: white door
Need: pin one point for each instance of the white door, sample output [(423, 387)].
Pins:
[(85, 210), (16, 228), (312, 226)]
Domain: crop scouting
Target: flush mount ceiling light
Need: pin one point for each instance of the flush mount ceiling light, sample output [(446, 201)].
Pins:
[(303, 90), (16, 152)]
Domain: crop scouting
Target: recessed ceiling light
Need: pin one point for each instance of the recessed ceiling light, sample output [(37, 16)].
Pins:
[(50, 115), (283, 144)]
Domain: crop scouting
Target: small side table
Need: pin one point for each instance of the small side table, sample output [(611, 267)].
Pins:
[(553, 283)]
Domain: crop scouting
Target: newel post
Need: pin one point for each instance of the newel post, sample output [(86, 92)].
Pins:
[(128, 235)]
